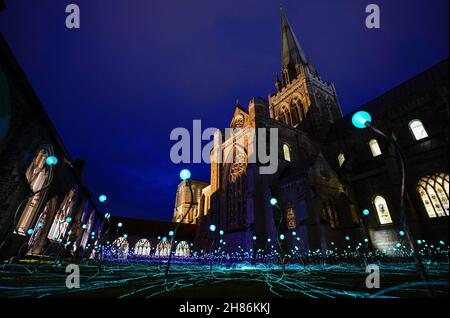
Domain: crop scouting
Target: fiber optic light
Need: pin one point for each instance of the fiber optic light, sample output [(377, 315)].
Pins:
[(84, 226), (30, 231), (120, 224), (347, 238), (273, 201), (281, 236), (221, 232), (294, 233), (402, 233), (366, 212), (360, 119), (40, 224), (102, 198), (442, 242), (125, 235), (212, 227), (69, 219), (51, 160), (185, 174), (254, 238), (170, 233)]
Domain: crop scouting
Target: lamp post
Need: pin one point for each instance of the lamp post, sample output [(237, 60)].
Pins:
[(363, 119), (185, 175), (280, 237)]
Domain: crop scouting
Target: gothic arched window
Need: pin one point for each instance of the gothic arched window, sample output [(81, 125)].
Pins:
[(290, 217), (384, 216), (287, 152), (417, 129), (341, 159), (182, 249), (374, 148), (434, 192), (142, 248), (120, 247), (163, 248), (60, 222), (294, 114), (37, 175)]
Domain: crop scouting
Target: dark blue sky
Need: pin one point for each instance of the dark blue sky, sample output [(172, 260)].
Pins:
[(139, 68)]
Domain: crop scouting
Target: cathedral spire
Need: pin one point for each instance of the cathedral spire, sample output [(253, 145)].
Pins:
[(292, 52)]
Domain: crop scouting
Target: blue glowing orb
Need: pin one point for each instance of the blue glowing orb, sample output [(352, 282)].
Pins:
[(360, 119), (402, 233), (51, 160), (442, 242), (69, 219), (170, 233), (30, 231), (419, 242), (102, 198), (254, 238), (273, 201), (84, 226), (281, 236), (398, 245), (294, 233), (92, 233), (221, 232), (125, 235), (120, 224), (347, 238), (269, 240), (366, 240), (366, 212), (40, 224), (185, 174), (212, 227)]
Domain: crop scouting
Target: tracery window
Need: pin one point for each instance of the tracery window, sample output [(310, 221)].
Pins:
[(142, 248), (120, 247), (434, 193), (60, 222), (37, 176), (384, 216), (183, 249), (163, 248)]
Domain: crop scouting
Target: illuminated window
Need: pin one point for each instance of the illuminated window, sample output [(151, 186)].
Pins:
[(375, 148), (183, 249), (142, 248), (163, 248), (433, 191), (37, 175), (120, 248), (341, 159), (384, 216), (287, 152), (417, 129), (290, 218), (60, 224)]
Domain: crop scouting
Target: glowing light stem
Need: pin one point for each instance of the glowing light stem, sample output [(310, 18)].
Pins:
[(188, 183)]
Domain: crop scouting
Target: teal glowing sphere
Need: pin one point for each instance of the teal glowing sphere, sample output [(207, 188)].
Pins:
[(347, 238), (402, 233), (254, 238), (366, 240), (360, 119), (294, 233), (92, 233), (269, 240), (419, 242), (221, 232), (69, 219), (40, 224), (170, 233), (185, 174), (120, 224), (125, 235), (51, 160), (30, 231), (212, 227), (399, 245), (102, 198), (442, 242), (273, 201), (281, 236), (84, 226), (366, 212), (164, 239)]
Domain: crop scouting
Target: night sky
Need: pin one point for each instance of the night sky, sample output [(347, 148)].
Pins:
[(139, 68)]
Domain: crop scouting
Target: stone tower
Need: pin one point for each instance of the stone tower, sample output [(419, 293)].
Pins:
[(303, 100)]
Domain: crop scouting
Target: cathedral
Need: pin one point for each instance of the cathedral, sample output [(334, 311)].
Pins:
[(335, 185), (329, 172)]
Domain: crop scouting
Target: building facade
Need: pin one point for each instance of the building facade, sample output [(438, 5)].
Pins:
[(329, 172), (45, 208)]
